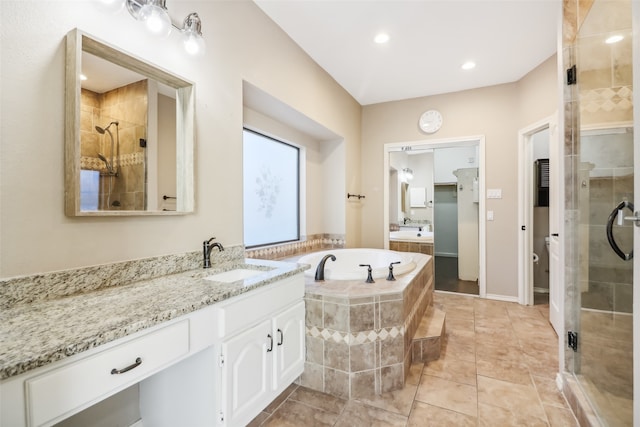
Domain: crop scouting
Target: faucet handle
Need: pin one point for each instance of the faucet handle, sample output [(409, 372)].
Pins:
[(369, 270), (390, 277)]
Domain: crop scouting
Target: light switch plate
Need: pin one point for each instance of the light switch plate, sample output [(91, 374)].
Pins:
[(489, 215), (494, 193)]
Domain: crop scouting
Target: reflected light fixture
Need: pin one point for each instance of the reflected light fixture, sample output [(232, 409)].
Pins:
[(408, 173), (155, 15), (614, 39)]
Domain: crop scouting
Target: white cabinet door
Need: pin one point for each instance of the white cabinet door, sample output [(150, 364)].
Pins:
[(246, 373), (290, 344)]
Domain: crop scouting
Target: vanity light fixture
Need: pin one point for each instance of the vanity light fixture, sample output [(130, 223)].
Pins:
[(155, 15), (408, 173)]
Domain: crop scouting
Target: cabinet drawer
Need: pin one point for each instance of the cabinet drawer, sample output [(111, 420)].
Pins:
[(79, 384), (241, 312)]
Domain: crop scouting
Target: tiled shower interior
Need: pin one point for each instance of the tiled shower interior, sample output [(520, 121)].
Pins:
[(126, 105), (599, 147)]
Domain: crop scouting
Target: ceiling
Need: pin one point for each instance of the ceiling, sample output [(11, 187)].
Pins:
[(429, 42)]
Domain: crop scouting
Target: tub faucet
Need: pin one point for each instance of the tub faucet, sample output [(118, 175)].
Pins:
[(320, 269), (369, 270), (207, 246), (390, 276)]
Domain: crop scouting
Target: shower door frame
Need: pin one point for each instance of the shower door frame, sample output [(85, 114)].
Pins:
[(473, 140)]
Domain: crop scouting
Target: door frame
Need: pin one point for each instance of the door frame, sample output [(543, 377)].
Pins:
[(478, 140), (525, 205)]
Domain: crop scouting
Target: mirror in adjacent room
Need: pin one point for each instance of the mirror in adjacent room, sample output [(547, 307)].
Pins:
[(434, 188), (129, 134)]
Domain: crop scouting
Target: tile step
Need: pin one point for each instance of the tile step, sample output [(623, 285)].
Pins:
[(428, 338)]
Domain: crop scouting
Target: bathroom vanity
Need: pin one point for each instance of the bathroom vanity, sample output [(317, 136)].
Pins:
[(205, 347)]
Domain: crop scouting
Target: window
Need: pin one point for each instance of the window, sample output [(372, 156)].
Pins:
[(271, 171)]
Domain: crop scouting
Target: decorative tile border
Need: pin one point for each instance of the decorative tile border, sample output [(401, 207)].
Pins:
[(606, 99), (94, 163), (307, 244), (355, 339)]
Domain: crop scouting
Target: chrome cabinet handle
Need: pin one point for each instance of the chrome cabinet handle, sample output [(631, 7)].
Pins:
[(610, 221), (135, 364)]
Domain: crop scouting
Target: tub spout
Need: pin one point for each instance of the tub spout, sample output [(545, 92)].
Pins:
[(369, 270), (390, 276), (320, 269)]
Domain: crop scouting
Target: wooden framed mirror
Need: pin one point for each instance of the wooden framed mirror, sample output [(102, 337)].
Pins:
[(129, 134)]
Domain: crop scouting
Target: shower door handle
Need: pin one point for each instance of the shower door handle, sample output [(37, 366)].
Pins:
[(610, 221)]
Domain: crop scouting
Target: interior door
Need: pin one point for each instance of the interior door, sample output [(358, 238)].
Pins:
[(556, 263)]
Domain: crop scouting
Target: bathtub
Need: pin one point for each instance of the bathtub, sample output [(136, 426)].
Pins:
[(347, 316), (411, 236), (347, 263)]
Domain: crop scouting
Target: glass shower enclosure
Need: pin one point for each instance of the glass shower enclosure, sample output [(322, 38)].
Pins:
[(603, 362)]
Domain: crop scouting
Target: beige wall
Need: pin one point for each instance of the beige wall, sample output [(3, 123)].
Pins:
[(242, 44), (496, 112)]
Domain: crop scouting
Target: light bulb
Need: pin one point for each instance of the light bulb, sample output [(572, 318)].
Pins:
[(156, 18), (193, 44), (192, 35)]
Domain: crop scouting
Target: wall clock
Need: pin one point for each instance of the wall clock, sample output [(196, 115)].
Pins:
[(430, 121)]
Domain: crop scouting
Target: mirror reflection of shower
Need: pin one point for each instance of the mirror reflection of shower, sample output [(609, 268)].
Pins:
[(112, 169), (112, 165)]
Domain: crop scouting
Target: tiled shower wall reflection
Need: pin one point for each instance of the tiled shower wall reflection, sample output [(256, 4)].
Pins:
[(128, 106)]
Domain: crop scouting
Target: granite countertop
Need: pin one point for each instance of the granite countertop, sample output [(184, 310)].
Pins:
[(38, 333)]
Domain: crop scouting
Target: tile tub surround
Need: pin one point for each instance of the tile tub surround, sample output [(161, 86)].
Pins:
[(359, 335), (38, 330)]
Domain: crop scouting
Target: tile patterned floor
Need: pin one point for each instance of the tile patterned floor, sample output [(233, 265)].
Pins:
[(497, 369)]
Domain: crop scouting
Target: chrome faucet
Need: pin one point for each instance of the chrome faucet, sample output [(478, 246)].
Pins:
[(207, 246), (320, 269)]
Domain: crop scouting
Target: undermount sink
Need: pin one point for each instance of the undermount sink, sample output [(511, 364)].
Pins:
[(234, 275)]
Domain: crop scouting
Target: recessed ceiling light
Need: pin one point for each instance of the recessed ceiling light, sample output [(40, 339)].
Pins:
[(614, 39), (468, 65), (381, 38)]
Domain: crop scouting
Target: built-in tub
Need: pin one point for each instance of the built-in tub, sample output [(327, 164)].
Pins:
[(359, 335), (347, 263)]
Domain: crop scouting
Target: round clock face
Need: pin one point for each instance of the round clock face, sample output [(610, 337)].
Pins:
[(430, 121)]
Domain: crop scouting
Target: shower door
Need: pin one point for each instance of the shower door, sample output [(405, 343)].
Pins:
[(605, 177)]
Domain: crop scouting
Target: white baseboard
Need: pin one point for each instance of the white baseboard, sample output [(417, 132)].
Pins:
[(446, 254), (501, 298)]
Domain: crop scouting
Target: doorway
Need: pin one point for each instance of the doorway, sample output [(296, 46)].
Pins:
[(435, 186)]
